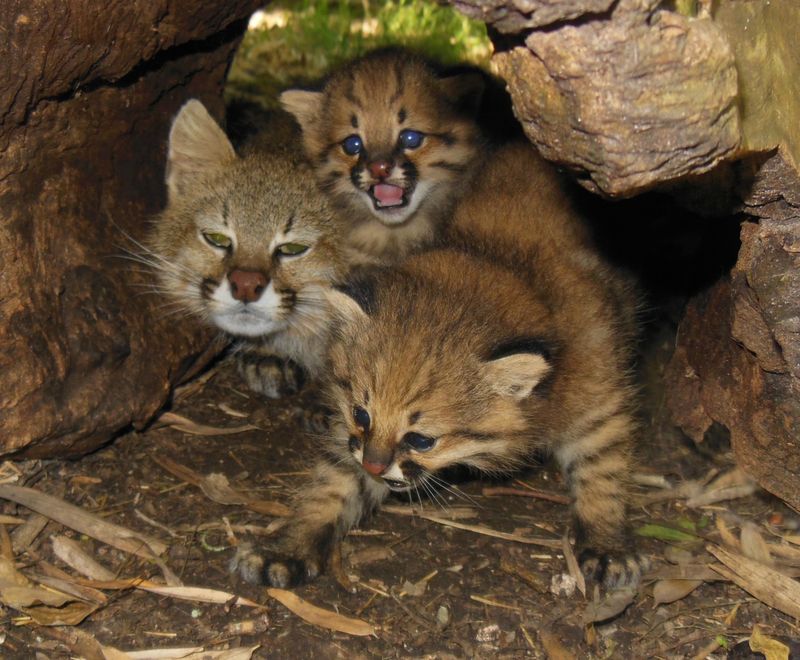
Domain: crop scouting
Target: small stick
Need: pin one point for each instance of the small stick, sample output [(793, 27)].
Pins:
[(493, 603), (538, 494)]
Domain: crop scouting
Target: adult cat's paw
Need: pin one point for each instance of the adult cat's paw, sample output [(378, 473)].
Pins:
[(271, 375), (613, 570)]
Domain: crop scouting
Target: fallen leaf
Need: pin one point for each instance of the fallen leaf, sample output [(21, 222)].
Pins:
[(611, 605), (767, 584), (553, 647), (753, 544), (370, 555), (320, 617), (71, 553), (572, 565), (191, 653), (771, 648), (668, 591), (180, 423)]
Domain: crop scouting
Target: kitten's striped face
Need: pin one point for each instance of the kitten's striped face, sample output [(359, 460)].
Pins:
[(417, 394), (388, 137)]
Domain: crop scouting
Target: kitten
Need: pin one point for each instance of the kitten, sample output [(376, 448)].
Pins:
[(512, 337), (248, 244), (393, 146)]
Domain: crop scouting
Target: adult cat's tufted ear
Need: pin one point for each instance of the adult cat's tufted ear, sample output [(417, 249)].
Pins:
[(304, 105), (514, 369), (197, 146)]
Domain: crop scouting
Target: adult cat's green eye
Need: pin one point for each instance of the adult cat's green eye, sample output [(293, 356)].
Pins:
[(292, 249), (217, 239)]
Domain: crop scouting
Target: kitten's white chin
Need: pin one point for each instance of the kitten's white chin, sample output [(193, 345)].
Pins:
[(246, 324)]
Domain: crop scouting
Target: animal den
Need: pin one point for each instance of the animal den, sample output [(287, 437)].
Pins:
[(140, 458)]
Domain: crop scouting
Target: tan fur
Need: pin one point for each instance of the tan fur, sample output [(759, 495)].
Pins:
[(259, 200), (375, 98), (514, 336)]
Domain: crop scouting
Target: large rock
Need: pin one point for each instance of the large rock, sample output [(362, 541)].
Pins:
[(87, 91)]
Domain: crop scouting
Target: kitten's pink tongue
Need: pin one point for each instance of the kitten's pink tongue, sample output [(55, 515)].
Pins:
[(387, 194)]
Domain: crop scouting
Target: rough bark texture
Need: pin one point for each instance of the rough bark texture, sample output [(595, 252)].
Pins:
[(627, 98), (87, 91), (737, 360)]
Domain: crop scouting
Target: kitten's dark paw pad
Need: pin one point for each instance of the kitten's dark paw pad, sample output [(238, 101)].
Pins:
[(613, 571), (271, 569), (270, 375)]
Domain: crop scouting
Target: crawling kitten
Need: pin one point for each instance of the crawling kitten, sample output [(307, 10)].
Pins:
[(512, 337), (393, 146), (247, 244)]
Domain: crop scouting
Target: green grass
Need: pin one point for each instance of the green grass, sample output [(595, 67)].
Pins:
[(314, 36)]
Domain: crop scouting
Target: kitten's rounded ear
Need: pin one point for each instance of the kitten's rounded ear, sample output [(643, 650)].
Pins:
[(464, 90), (515, 369), (354, 299), (304, 105), (197, 145)]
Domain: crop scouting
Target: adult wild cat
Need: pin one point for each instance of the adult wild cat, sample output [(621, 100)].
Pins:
[(393, 146), (247, 244), (513, 336)]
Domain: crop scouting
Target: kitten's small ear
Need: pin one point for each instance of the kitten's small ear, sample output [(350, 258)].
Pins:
[(514, 370), (354, 299), (464, 90), (304, 105), (197, 145)]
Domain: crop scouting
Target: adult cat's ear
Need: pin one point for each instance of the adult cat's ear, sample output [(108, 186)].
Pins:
[(516, 368), (304, 105), (197, 146)]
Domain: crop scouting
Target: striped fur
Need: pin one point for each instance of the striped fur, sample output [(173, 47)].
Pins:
[(512, 337), (375, 98)]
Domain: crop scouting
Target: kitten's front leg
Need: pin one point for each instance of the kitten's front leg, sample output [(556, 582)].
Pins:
[(338, 496), (269, 374), (598, 467)]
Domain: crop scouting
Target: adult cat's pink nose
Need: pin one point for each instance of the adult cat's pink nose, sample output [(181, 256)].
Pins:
[(247, 285), (380, 169)]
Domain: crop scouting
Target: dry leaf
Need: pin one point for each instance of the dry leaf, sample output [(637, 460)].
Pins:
[(572, 566), (676, 555), (553, 647), (84, 522), (10, 520), (610, 606), (192, 653), (753, 544), (731, 485), (768, 585), (725, 533), (668, 591), (45, 606), (320, 617), (771, 648), (180, 423), (216, 487), (71, 553), (370, 555)]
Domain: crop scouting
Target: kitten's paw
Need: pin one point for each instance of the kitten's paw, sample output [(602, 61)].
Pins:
[(270, 375), (273, 569), (613, 570)]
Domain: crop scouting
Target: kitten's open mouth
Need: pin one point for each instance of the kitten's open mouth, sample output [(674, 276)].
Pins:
[(396, 485), (388, 196)]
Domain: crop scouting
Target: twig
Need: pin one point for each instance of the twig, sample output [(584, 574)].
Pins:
[(494, 603), (537, 494)]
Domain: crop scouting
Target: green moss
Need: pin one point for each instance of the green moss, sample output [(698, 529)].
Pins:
[(298, 43)]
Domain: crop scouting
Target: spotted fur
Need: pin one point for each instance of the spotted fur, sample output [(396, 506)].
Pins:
[(513, 337), (218, 249), (381, 100)]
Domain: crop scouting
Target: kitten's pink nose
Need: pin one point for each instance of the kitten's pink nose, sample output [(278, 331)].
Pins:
[(247, 285), (374, 468), (380, 169)]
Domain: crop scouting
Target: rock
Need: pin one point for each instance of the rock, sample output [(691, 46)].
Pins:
[(87, 92)]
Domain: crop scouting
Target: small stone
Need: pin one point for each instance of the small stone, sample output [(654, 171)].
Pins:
[(488, 634), (563, 584), (442, 617)]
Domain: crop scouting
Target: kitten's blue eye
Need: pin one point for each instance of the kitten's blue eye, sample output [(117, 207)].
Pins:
[(418, 442), (352, 145), (361, 418), (410, 139)]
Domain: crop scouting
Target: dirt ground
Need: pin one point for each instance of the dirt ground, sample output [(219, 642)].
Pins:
[(430, 590)]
